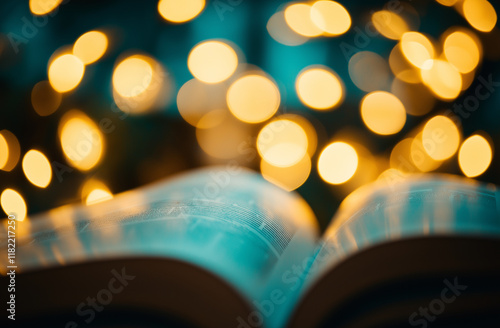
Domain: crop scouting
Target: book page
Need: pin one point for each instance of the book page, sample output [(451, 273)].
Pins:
[(423, 205), (227, 220)]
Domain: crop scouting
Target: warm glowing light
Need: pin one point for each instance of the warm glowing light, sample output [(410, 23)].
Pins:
[(401, 159), (331, 17), (140, 84), (288, 178), (367, 63), (440, 137), (45, 99), (442, 78), (13, 204), (402, 68), (474, 156), (461, 51), (81, 140), (282, 143), (90, 46), (212, 61), (253, 98), (383, 113), (132, 76), (417, 48), (43, 7), (447, 3), (222, 135), (209, 97), (66, 72), (280, 31), (319, 88), (176, 11), (37, 168), (480, 14), (298, 17), (309, 129), (337, 163), (10, 150), (419, 156), (389, 24), (94, 191)]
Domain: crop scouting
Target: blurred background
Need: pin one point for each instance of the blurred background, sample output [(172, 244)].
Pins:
[(322, 97)]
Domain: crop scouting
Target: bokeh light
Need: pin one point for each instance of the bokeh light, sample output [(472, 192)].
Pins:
[(290, 177), (389, 24), (337, 163), (253, 98), (480, 14), (280, 31), (331, 17), (419, 156), (180, 11), (13, 204), (212, 61), (36, 168), (282, 143), (65, 72), (10, 150), (90, 46), (462, 51), (140, 84), (298, 17), (440, 137), (319, 88), (45, 99), (383, 113), (81, 140), (442, 79), (43, 7), (474, 156), (367, 63), (95, 191), (417, 48)]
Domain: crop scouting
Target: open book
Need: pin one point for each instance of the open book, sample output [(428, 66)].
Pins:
[(221, 247)]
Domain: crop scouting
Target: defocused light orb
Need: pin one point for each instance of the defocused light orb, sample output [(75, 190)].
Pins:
[(383, 113), (280, 31), (442, 79), (419, 156), (212, 61), (440, 137), (331, 17), (42, 7), (417, 48), (36, 168), (401, 68), (81, 140), (98, 196), (13, 204), (253, 98), (90, 46), (474, 156), (222, 135), (10, 150), (461, 51), (367, 63), (389, 24), (132, 76), (309, 129), (45, 99), (176, 11), (480, 14), (319, 88), (288, 178), (337, 163), (401, 158), (140, 84), (209, 97), (298, 17), (447, 3), (282, 143), (66, 72)]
